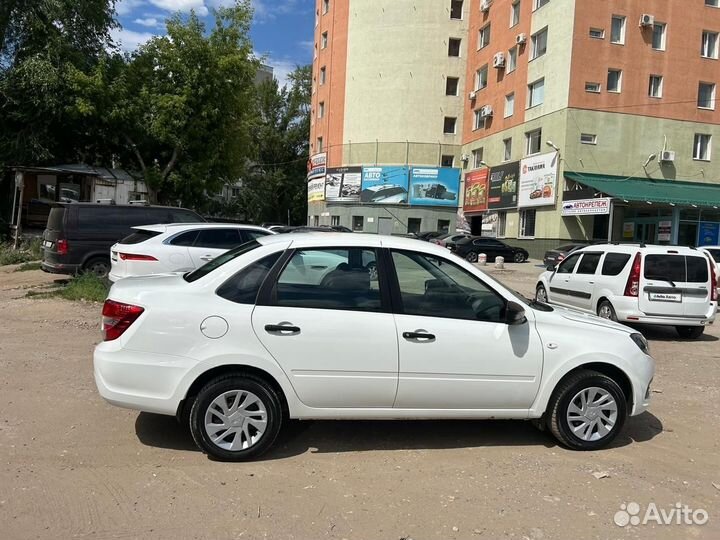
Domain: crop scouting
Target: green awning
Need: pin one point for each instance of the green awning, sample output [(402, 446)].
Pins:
[(650, 190)]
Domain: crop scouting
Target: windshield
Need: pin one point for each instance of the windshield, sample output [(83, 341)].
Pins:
[(220, 260)]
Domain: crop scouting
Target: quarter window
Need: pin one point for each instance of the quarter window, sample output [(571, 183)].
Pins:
[(184, 239), (243, 287), (614, 263)]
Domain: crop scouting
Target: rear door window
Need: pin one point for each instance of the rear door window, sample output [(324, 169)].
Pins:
[(589, 263), (218, 238), (614, 263)]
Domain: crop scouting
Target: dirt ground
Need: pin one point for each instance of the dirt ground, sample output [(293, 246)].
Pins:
[(72, 466)]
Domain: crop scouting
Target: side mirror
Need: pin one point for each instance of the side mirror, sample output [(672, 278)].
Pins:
[(514, 314), (550, 268)]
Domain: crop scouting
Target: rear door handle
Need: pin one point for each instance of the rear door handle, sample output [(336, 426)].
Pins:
[(282, 329), (206, 258), (419, 335)]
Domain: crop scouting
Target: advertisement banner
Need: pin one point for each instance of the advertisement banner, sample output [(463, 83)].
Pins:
[(629, 230), (384, 185), (476, 191), (490, 224), (342, 184), (432, 186), (586, 207), (503, 186), (316, 189), (709, 234), (538, 180), (316, 165)]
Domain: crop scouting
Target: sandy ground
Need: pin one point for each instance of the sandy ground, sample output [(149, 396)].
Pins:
[(72, 466)]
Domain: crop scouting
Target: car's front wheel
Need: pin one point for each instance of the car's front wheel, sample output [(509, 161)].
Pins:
[(471, 257), (690, 332), (587, 410), (235, 417)]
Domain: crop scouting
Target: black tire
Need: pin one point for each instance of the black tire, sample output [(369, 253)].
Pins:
[(227, 383), (540, 290), (606, 311), (99, 266), (519, 257), (556, 415), (690, 332), (471, 257)]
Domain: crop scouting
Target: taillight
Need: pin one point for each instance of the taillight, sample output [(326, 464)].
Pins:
[(136, 257), (117, 317), (713, 282), (632, 288), (560, 258), (62, 247)]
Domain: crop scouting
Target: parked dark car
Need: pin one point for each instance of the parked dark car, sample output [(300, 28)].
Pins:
[(450, 239), (555, 256), (307, 228), (470, 248), (429, 235), (78, 236)]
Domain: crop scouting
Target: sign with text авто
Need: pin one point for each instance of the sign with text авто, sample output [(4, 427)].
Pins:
[(384, 185), (503, 186), (316, 165), (476, 191), (586, 207), (538, 180), (433, 186), (342, 184)]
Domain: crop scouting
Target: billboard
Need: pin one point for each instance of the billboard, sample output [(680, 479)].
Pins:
[(433, 186), (316, 165), (708, 234), (503, 185), (476, 191), (316, 189), (538, 180), (342, 184), (586, 207), (384, 185)]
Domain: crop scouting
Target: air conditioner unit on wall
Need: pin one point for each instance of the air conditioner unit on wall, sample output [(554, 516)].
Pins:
[(465, 157), (521, 39), (647, 20), (499, 60), (667, 156), (485, 5), (486, 111)]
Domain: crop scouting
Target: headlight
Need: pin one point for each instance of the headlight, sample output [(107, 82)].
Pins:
[(641, 342)]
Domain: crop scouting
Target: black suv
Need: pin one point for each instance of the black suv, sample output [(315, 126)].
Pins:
[(78, 236), (470, 248)]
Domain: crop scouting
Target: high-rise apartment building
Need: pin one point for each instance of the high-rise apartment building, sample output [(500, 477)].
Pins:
[(564, 119)]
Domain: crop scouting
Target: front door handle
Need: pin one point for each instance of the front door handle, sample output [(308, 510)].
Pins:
[(282, 329), (418, 335)]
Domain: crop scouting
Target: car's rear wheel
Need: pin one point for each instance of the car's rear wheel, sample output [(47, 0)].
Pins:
[(235, 417), (98, 266), (541, 294), (471, 257), (607, 311), (519, 257), (690, 332), (587, 410)]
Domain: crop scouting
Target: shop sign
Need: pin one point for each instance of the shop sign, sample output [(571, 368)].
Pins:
[(316, 189), (664, 231), (538, 180), (316, 165), (629, 230), (587, 207)]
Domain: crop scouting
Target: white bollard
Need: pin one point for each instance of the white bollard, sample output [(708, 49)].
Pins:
[(482, 259), (500, 262)]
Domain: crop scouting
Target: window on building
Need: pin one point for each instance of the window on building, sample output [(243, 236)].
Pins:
[(484, 36), (454, 46), (511, 63), (515, 13), (509, 105), (592, 87), (334, 221), (507, 149), (706, 96), (456, 9), (533, 140), (614, 80), (447, 161), (443, 225), (712, 3), (536, 93), (449, 125), (477, 156), (451, 86), (326, 6), (617, 30), (321, 109), (537, 4), (501, 224), (709, 44), (357, 223), (323, 75), (478, 120), (597, 33), (481, 78), (527, 223), (324, 40), (701, 146), (320, 146), (658, 36), (588, 138), (539, 43), (414, 225), (655, 87)]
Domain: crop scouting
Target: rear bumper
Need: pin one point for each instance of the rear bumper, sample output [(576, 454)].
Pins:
[(627, 310), (59, 268)]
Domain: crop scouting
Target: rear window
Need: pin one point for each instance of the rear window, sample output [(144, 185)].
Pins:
[(614, 263), (217, 262), (139, 237), (55, 219), (676, 268)]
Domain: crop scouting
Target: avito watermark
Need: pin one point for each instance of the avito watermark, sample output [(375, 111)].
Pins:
[(679, 514)]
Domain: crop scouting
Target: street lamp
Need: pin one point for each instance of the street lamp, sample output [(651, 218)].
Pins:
[(552, 145), (649, 159)]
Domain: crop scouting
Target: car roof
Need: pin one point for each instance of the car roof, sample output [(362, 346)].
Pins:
[(643, 248), (178, 227), (339, 239)]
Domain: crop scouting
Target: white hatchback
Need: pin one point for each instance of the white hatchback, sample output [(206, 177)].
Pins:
[(176, 247), (661, 285), (320, 326)]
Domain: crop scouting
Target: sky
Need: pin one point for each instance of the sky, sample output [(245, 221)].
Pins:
[(282, 30)]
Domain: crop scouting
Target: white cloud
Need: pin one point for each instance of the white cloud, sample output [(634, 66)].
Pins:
[(150, 22), (307, 46), (123, 7), (129, 40), (270, 9), (182, 5), (281, 69)]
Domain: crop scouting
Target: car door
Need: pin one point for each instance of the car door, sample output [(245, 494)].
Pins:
[(580, 286), (331, 331), (213, 242), (483, 245), (559, 282), (174, 253), (456, 351)]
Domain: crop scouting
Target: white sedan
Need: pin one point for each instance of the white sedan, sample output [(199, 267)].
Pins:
[(176, 247), (319, 326)]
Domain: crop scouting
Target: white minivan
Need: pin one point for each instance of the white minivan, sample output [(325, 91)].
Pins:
[(662, 285)]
